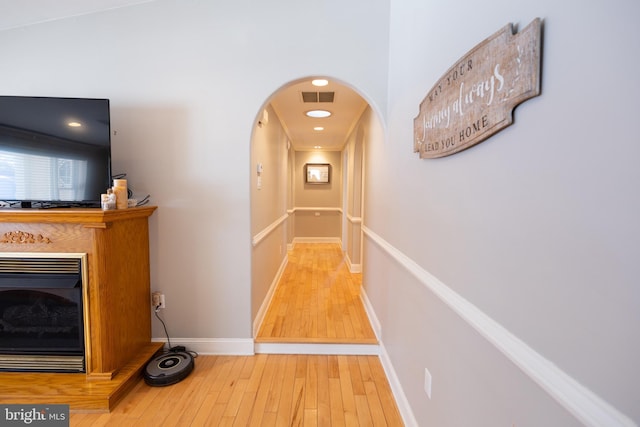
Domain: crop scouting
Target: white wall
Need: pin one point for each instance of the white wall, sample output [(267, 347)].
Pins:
[(318, 195), (353, 171), (269, 148), (318, 223), (187, 80), (536, 227)]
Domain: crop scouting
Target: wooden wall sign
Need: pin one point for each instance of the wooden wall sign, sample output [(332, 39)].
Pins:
[(475, 98)]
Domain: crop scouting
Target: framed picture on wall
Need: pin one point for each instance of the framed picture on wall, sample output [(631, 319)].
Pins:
[(317, 173)]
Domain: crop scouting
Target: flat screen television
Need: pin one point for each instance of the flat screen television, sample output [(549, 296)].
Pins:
[(54, 152)]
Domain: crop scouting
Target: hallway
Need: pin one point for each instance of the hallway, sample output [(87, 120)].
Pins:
[(317, 301)]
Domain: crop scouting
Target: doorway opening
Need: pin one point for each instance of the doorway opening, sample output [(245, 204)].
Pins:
[(308, 233)]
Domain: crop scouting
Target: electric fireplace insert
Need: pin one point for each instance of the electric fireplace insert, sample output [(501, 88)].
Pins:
[(41, 314)]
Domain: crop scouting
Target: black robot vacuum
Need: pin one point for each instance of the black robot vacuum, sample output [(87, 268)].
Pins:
[(168, 368)]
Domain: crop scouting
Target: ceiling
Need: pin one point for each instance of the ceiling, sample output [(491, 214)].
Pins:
[(346, 108), (17, 13)]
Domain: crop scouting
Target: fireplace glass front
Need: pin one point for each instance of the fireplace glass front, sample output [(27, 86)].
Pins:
[(41, 315)]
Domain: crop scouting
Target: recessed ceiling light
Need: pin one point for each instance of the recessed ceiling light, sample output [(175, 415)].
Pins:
[(320, 82), (318, 114), (74, 124), (318, 128), (317, 146)]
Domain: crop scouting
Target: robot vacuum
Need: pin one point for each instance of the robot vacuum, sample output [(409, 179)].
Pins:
[(168, 368)]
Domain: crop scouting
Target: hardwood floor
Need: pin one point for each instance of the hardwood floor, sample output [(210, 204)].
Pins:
[(74, 389), (262, 390), (317, 301)]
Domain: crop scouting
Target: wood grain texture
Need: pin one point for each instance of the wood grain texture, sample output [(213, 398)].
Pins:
[(117, 308), (317, 300), (475, 98), (86, 216), (262, 390), (74, 389)]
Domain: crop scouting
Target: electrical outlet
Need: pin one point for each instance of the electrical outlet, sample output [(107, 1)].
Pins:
[(157, 300), (427, 382)]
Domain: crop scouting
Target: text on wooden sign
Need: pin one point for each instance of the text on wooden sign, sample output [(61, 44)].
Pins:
[(475, 98)]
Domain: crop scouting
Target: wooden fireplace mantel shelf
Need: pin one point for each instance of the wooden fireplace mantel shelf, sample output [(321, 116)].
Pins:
[(117, 300), (85, 216)]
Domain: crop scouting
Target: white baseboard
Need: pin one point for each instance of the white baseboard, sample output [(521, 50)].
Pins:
[(371, 314), (317, 240), (257, 322), (213, 346), (353, 268), (302, 348), (582, 403), (396, 388)]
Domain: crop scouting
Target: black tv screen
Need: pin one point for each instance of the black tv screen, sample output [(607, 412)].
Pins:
[(54, 151)]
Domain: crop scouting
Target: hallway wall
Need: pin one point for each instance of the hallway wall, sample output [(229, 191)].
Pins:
[(516, 261), (354, 173), (269, 192), (187, 80), (318, 206), (536, 228)]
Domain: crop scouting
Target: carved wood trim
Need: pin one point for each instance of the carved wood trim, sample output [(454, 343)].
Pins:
[(23, 237)]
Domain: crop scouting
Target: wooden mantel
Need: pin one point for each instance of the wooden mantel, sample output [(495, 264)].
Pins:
[(85, 216), (117, 299)]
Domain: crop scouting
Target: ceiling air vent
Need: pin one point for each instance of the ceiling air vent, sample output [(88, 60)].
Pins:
[(317, 96)]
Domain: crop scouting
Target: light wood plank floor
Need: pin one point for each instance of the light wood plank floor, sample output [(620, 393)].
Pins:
[(262, 390), (317, 300)]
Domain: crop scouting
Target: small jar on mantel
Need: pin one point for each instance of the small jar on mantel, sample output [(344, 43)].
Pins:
[(108, 200), (122, 195)]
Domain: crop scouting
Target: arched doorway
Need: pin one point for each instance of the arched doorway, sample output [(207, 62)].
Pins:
[(285, 207)]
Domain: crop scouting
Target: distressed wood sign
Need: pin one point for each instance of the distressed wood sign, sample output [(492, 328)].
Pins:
[(475, 98)]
